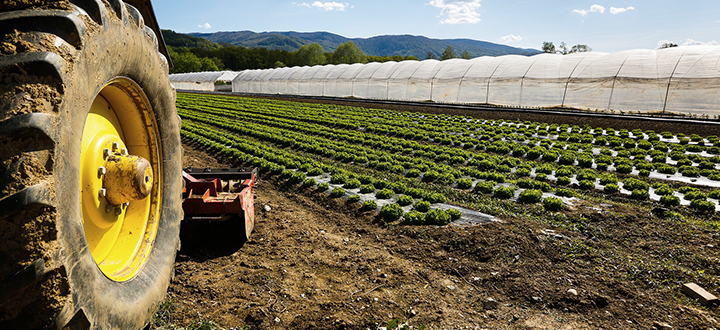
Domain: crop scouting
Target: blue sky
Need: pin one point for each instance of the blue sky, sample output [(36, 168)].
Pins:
[(605, 26)]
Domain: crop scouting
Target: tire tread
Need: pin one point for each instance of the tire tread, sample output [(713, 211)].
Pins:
[(36, 63), (42, 123), (93, 8), (65, 25)]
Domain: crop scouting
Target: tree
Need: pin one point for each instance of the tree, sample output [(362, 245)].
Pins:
[(580, 49), (184, 61), (431, 56), (328, 57), (209, 64), (448, 53), (668, 44), (311, 54), (562, 49), (349, 53), (466, 55), (548, 47), (396, 58), (280, 64)]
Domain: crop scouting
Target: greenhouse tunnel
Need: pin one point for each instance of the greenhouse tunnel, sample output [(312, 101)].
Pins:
[(677, 80), (202, 81)]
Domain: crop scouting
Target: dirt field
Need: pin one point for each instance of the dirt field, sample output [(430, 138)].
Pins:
[(317, 263)]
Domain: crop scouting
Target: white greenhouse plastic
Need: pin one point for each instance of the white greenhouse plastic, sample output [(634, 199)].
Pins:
[(195, 81), (227, 76), (201, 81), (679, 79)]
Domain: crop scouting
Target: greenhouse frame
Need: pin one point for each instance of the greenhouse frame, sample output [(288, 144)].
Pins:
[(679, 80)]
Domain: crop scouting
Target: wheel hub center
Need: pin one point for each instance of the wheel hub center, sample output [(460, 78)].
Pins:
[(127, 178)]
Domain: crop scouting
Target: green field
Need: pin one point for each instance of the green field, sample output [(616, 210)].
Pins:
[(399, 163)]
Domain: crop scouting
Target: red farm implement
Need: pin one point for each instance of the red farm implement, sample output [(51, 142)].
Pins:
[(219, 195)]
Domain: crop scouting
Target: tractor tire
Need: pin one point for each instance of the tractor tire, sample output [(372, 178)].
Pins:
[(63, 65)]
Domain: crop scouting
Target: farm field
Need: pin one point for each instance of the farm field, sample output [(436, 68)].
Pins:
[(385, 155), (623, 217)]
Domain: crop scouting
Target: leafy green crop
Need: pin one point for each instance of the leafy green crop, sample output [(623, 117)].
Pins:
[(390, 212), (422, 155)]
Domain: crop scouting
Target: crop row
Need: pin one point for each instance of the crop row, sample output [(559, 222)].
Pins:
[(308, 172), (657, 158), (470, 171)]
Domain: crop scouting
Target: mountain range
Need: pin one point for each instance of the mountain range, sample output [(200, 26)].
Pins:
[(386, 45)]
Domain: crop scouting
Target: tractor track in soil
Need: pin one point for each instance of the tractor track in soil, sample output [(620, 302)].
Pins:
[(318, 263)]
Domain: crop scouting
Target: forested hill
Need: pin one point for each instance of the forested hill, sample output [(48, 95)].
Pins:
[(193, 54), (174, 39), (388, 45)]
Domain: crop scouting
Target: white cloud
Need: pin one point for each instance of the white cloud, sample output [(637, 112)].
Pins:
[(510, 38), (614, 10), (601, 9), (458, 11), (328, 6), (205, 26), (691, 42), (593, 9)]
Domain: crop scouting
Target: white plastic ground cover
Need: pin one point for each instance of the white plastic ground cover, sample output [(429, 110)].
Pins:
[(468, 216), (596, 150), (702, 181), (471, 217), (679, 79)]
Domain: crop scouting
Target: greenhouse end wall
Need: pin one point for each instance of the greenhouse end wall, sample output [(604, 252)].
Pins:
[(193, 86), (679, 79), (196, 81)]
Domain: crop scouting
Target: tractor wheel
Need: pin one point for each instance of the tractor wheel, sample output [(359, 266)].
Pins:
[(90, 167)]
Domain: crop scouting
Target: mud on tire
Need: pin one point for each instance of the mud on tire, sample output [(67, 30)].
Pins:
[(55, 58)]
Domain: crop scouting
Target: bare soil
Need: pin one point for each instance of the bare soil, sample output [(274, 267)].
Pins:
[(319, 263)]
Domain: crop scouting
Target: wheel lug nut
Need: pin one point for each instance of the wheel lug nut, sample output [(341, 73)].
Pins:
[(103, 192), (101, 171), (124, 151), (118, 210), (106, 153), (108, 208), (115, 146)]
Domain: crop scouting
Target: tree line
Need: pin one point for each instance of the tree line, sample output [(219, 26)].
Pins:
[(549, 47), (448, 53), (237, 58)]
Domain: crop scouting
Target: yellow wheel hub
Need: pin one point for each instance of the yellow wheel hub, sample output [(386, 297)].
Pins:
[(120, 179), (127, 178)]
